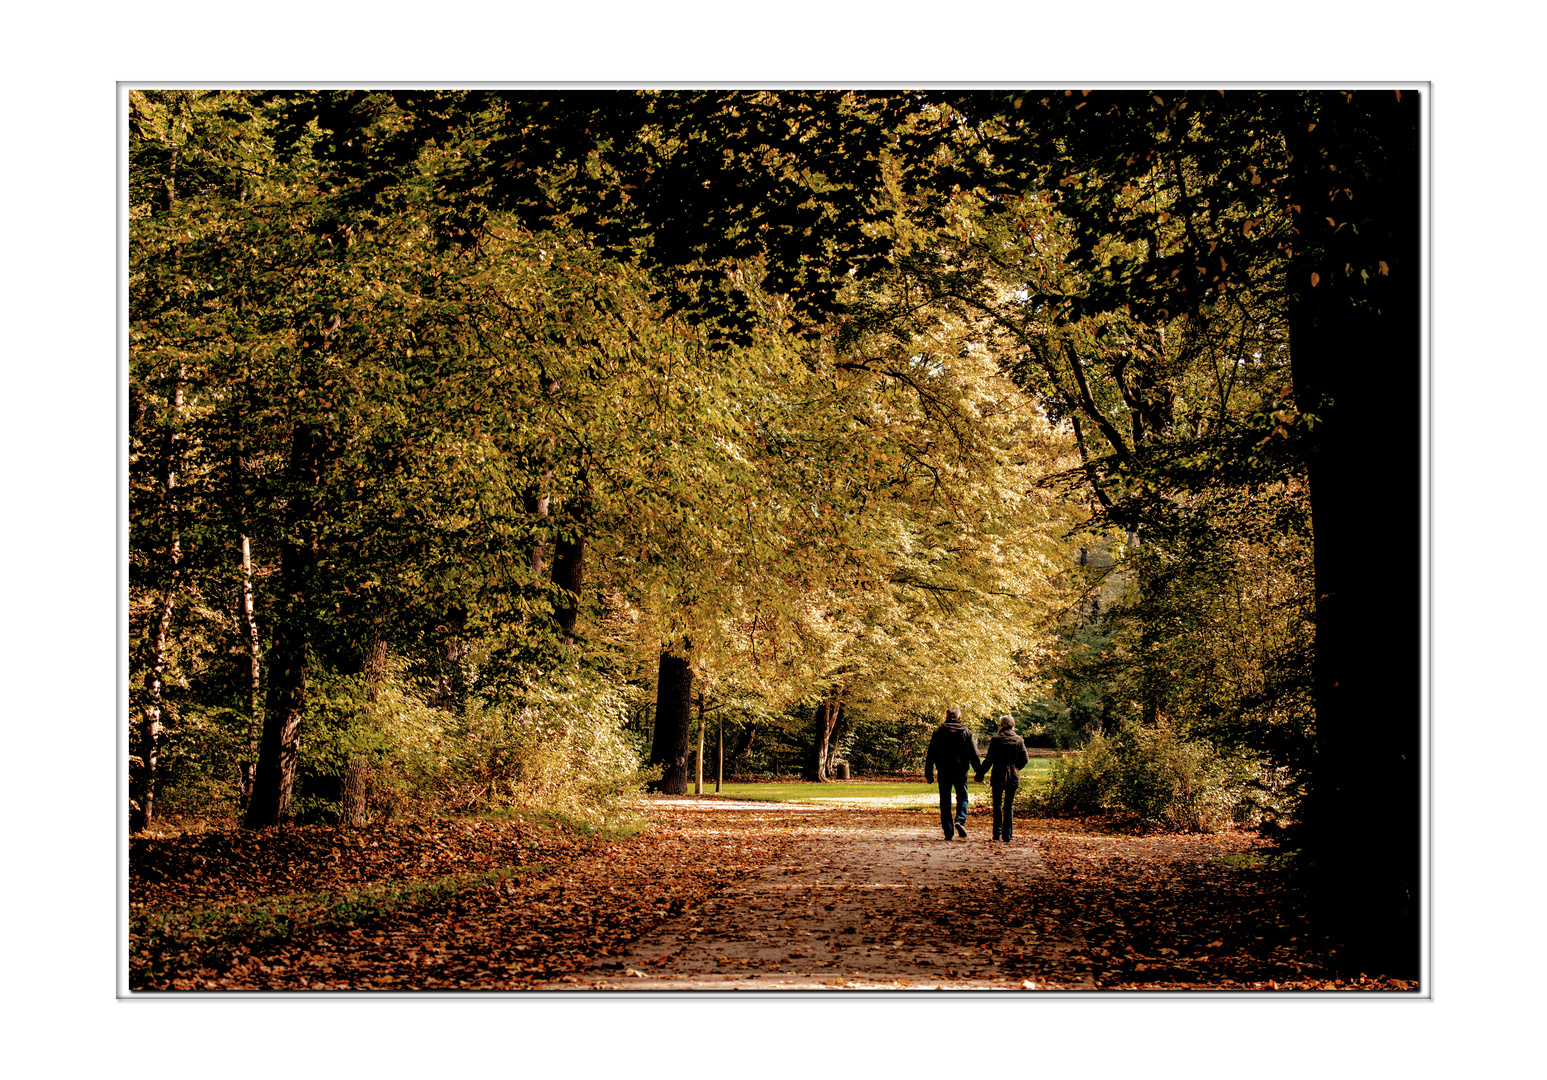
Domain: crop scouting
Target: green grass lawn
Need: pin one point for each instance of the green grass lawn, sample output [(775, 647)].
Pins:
[(866, 793)]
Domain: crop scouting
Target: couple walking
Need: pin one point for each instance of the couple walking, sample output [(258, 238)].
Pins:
[(952, 748)]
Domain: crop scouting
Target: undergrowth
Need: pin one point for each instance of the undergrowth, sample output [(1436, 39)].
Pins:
[(614, 827), (282, 917), (1161, 778)]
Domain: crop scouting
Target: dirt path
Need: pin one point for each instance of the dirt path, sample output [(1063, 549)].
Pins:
[(861, 901), (720, 895)]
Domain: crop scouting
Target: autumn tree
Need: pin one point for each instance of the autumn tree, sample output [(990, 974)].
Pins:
[(1294, 212), (341, 409)]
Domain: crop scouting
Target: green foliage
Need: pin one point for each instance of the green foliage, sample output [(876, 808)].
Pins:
[(558, 745), (1054, 726), (815, 380), (204, 746), (886, 744), (1162, 779)]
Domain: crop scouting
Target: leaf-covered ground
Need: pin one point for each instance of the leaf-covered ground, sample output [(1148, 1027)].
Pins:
[(714, 895)]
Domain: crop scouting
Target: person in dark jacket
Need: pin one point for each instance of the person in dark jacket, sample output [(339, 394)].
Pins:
[(1006, 755), (951, 750)]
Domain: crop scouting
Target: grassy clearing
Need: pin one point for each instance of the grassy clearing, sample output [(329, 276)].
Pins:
[(865, 794)]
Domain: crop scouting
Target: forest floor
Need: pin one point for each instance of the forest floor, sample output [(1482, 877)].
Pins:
[(719, 895)]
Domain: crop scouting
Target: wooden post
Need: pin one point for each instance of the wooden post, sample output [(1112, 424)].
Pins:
[(698, 783)]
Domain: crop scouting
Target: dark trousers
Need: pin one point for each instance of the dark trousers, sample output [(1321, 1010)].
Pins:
[(945, 804), (1004, 810)]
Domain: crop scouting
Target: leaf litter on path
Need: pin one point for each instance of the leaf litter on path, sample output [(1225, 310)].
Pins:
[(717, 895)]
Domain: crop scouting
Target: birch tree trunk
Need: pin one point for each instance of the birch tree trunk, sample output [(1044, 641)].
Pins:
[(143, 804), (247, 767), (254, 654)]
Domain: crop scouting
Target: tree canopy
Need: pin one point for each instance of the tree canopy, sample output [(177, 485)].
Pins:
[(477, 434)]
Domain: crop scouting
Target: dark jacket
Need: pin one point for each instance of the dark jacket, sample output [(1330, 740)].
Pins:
[(951, 750), (1006, 754)]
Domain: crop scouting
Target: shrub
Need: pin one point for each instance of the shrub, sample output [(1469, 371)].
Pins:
[(1161, 778), (199, 755), (559, 746), (556, 746)]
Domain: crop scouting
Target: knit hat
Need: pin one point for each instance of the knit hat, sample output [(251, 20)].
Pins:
[(1007, 723)]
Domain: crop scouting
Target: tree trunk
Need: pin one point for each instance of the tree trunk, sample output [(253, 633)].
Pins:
[(698, 782), (279, 748), (719, 751), (274, 779), (813, 771), (355, 809), (254, 655), (1356, 351), (568, 574), (673, 724), (142, 807), (743, 749), (247, 767), (832, 741), (150, 716), (826, 721)]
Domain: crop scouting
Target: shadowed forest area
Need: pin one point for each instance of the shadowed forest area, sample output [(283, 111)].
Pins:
[(509, 471)]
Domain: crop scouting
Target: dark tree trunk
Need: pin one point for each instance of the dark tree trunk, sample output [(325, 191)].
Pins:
[(743, 749), (142, 808), (811, 769), (671, 746), (833, 740), (279, 748), (568, 574), (569, 560), (826, 721), (1356, 353)]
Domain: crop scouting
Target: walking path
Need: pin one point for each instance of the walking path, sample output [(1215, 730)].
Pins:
[(862, 902)]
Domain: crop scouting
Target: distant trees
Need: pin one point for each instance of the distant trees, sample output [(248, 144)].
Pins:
[(474, 428)]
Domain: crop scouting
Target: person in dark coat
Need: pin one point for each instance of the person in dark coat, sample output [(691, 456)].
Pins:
[(1006, 755), (951, 750)]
